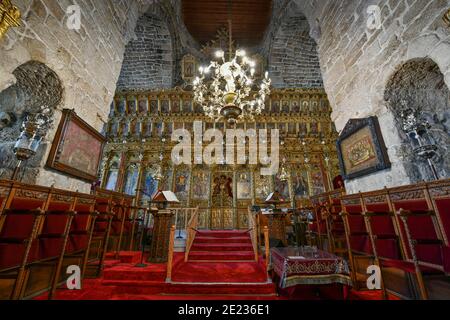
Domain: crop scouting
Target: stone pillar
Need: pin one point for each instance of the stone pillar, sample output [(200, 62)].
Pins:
[(159, 248)]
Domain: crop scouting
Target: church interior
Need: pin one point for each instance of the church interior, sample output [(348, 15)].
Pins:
[(225, 150)]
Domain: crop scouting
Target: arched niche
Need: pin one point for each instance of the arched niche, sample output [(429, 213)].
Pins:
[(419, 85), (36, 86)]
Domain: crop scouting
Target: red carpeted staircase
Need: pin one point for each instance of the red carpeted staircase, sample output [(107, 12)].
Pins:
[(221, 266), (215, 246), (221, 263)]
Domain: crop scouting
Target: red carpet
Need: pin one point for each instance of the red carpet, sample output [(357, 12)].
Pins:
[(221, 266), (216, 246)]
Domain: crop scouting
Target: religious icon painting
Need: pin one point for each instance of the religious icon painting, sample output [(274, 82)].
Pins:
[(143, 106), (244, 191), (166, 183), (150, 184), (276, 106), (113, 173), (282, 186), (154, 106), (121, 106), (131, 180), (305, 106), (361, 148), (222, 188), (303, 128), (77, 148), (317, 182), (262, 187), (200, 185), (188, 68), (182, 184), (176, 106), (160, 127), (300, 184), (165, 106), (132, 107), (314, 127), (295, 107), (314, 106), (169, 128), (187, 106), (286, 107)]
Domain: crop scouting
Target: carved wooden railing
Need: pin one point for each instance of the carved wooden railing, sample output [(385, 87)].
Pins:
[(170, 256), (191, 232), (183, 216), (253, 230), (267, 246)]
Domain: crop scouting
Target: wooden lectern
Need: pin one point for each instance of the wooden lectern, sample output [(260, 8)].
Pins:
[(163, 218), (276, 219)]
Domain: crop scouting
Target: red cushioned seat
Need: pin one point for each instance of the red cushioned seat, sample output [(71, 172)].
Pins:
[(77, 242), (17, 226), (50, 246), (361, 243), (28, 204), (446, 258), (407, 266), (11, 254), (443, 207)]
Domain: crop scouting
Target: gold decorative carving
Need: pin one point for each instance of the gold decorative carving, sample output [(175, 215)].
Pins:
[(225, 205), (446, 18), (408, 195), (9, 16), (30, 194)]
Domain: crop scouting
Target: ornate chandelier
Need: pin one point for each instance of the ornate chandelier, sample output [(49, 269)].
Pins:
[(229, 92), (226, 89)]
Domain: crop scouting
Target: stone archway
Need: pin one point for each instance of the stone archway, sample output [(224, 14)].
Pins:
[(36, 86), (419, 85)]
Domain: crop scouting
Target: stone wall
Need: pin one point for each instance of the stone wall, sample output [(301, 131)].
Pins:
[(87, 62), (357, 63), (148, 58), (293, 59)]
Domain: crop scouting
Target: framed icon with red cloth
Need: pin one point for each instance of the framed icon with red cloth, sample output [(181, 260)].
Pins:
[(77, 148)]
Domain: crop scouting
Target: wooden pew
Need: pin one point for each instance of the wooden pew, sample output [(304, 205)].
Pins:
[(387, 242), (318, 230), (421, 233), (44, 230), (34, 229), (404, 231), (360, 251), (327, 210), (439, 193)]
